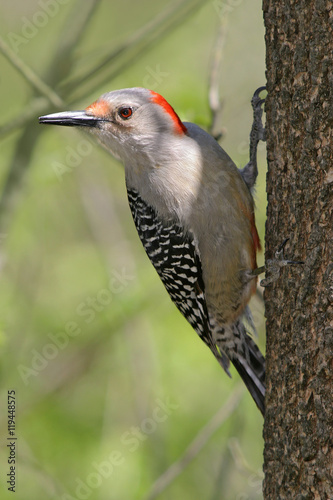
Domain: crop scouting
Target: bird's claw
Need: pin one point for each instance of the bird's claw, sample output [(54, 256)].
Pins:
[(257, 103), (258, 133), (274, 266), (256, 97)]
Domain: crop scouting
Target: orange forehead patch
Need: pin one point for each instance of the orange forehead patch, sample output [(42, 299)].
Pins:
[(98, 108)]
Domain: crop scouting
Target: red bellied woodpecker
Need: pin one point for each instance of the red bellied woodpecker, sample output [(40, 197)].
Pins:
[(194, 213)]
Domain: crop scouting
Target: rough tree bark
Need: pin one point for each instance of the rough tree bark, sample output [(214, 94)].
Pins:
[(299, 116)]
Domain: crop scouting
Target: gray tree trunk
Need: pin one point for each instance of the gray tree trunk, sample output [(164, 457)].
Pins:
[(299, 117)]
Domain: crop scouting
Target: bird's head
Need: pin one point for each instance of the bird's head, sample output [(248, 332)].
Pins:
[(124, 121)]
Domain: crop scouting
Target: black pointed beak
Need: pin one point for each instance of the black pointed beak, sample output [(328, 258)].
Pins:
[(70, 119)]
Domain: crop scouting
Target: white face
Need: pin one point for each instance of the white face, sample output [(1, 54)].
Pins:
[(121, 121), (130, 122), (125, 121), (136, 125)]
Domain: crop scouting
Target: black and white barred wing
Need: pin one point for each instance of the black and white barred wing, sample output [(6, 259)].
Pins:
[(174, 255), (175, 258)]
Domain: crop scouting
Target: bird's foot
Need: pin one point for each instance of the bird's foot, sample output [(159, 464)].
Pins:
[(258, 130), (258, 133), (273, 267)]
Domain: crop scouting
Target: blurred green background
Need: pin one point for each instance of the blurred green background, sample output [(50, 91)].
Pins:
[(112, 385)]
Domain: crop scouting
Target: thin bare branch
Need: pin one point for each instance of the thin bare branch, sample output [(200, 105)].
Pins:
[(32, 465), (238, 456), (74, 29), (23, 153), (57, 72), (214, 98), (71, 35), (101, 218), (144, 38), (60, 66), (197, 444), (35, 81), (37, 107), (137, 37)]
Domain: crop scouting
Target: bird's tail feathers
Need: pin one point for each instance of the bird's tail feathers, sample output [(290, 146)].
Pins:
[(250, 364), (253, 383), (239, 347)]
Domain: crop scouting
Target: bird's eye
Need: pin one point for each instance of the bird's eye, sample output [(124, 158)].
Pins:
[(125, 113)]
